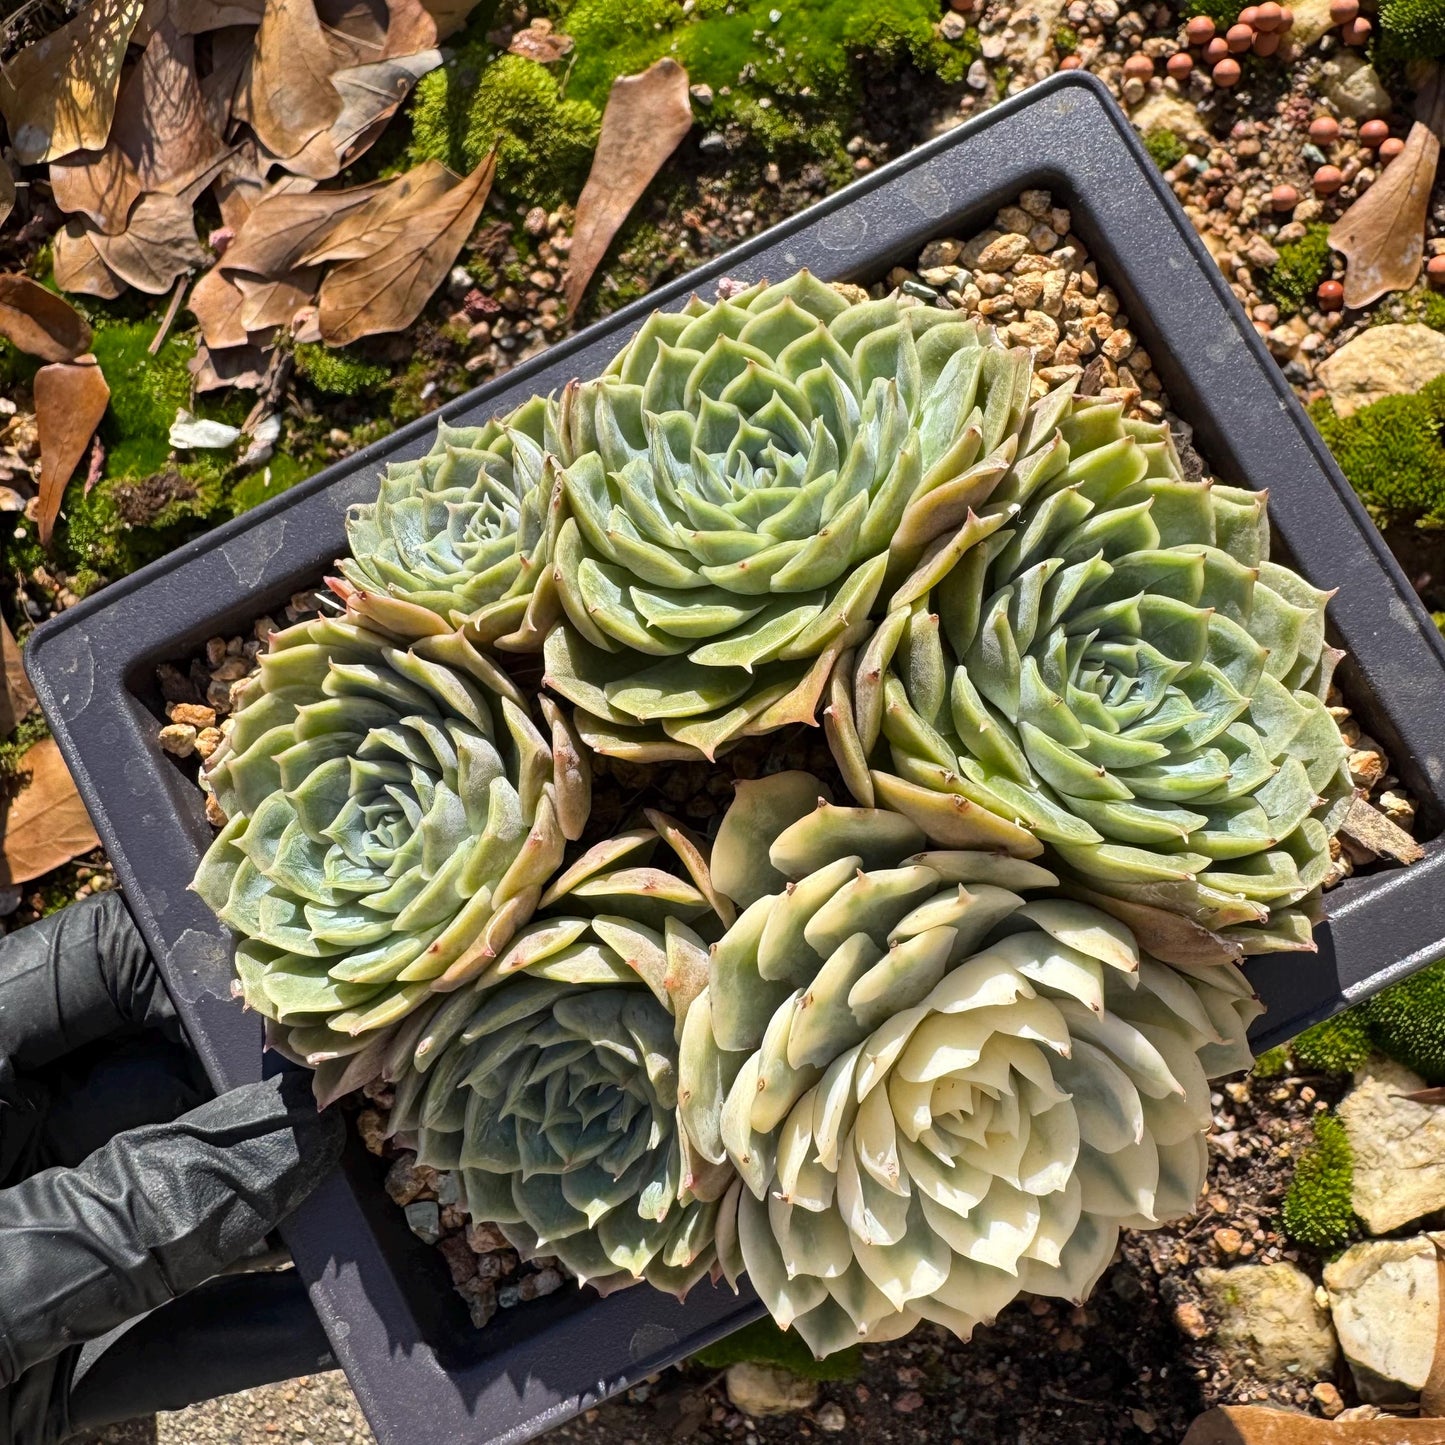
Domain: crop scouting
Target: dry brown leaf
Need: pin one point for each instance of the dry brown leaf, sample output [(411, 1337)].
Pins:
[(39, 322), (1424, 1096), (45, 823), (241, 183), (231, 50), (283, 225), (79, 267), (17, 697), (1271, 1425), (195, 17), (157, 246), (102, 186), (70, 399), (274, 303), (385, 217), (287, 96), (1382, 236), (540, 42), (216, 302), (161, 121), (449, 15), (361, 32), (370, 95), (243, 367), (58, 94), (645, 118), (1168, 936), (386, 290)]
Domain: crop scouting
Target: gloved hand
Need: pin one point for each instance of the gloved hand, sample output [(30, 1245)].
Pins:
[(148, 1215)]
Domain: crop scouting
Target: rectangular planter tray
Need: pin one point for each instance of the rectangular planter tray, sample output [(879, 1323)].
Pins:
[(420, 1369)]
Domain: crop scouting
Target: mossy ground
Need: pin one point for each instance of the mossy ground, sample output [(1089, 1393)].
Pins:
[(1318, 1209), (1393, 452), (1302, 265)]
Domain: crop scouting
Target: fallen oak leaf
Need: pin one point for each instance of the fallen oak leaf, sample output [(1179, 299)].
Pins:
[(161, 120), (370, 95), (70, 399), (1424, 1096), (217, 303), (449, 15), (39, 322), (45, 823), (243, 367), (383, 218), (78, 265), (284, 225), (158, 244), (195, 17), (17, 697), (287, 97), (101, 186), (58, 94), (241, 184), (386, 290), (645, 118), (1382, 235), (268, 304), (231, 51)]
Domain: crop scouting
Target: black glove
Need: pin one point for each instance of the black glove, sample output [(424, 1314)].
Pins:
[(150, 1214)]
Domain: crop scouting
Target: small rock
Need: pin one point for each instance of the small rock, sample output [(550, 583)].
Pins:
[(1350, 83), (481, 1298), (999, 255), (1384, 1298), (406, 1180), (908, 1402), (1399, 1147), (1164, 111), (831, 1417), (1189, 1320), (192, 713), (978, 76), (953, 27), (371, 1126), (486, 1238), (1228, 1241), (1382, 361), (714, 143), (1327, 1397), (939, 253), (543, 1282), (760, 1390), (701, 94), (424, 1219), (459, 282), (178, 739), (1376, 832), (1312, 19), (208, 740), (1268, 1313)]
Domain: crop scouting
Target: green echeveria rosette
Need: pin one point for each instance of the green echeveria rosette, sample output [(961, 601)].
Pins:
[(463, 536), (394, 815), (550, 1082), (1122, 674), (748, 484), (936, 1094)]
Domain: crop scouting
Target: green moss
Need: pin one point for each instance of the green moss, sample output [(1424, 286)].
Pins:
[(763, 1343), (1412, 29), (544, 143), (1337, 1046), (145, 393), (1407, 1022), (281, 472), (1425, 306), (1318, 1211), (28, 732), (1302, 265), (16, 369), (1393, 452), (1164, 147), (339, 372), (1066, 39), (1271, 1063)]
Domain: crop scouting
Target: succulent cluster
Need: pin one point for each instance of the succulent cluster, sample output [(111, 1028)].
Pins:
[(901, 1056)]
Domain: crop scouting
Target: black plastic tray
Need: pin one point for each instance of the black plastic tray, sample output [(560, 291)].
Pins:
[(421, 1371)]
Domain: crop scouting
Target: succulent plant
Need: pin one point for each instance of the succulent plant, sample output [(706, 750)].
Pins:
[(747, 485), (394, 815), (1120, 673), (936, 1094), (550, 1081), (462, 536)]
